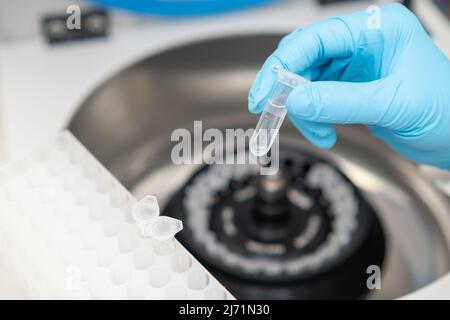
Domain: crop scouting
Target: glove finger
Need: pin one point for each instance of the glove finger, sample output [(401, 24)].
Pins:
[(319, 134), (367, 103), (308, 47)]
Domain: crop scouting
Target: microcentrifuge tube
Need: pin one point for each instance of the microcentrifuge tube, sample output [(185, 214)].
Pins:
[(163, 231), (274, 112), (145, 212)]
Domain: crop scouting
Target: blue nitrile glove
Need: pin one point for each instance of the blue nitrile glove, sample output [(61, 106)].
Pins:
[(392, 79)]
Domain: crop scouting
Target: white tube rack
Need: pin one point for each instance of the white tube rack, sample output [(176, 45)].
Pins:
[(67, 232)]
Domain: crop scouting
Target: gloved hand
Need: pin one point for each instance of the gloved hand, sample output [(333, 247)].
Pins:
[(392, 79)]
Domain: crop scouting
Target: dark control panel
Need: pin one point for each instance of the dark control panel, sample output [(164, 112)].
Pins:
[(75, 24)]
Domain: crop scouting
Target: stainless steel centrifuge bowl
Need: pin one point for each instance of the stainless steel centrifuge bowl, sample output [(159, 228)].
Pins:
[(127, 122)]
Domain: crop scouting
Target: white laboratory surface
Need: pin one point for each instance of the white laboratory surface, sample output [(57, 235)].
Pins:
[(41, 86)]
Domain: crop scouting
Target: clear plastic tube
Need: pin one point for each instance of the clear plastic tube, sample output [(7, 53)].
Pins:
[(274, 112), (161, 228)]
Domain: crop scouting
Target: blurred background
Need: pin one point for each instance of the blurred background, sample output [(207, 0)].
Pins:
[(136, 70)]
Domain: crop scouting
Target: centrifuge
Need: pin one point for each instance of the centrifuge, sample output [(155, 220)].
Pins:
[(309, 231)]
